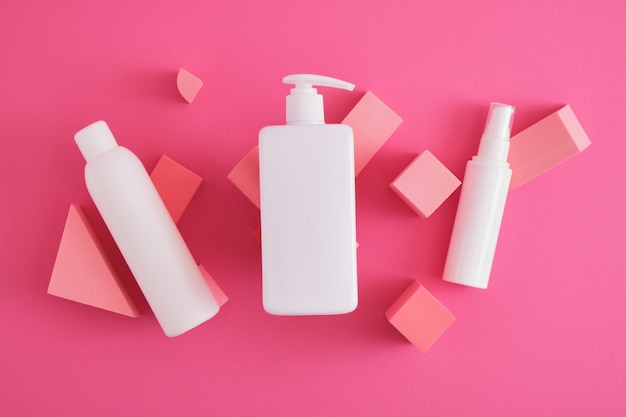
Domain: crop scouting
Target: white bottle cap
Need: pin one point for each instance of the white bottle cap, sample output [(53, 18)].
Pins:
[(304, 105), (95, 139), (494, 143)]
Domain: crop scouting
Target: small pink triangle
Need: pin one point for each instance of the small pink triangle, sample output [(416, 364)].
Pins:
[(82, 272), (188, 84)]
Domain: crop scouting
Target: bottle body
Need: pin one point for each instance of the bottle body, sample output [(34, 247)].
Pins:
[(477, 223), (308, 219), (148, 238)]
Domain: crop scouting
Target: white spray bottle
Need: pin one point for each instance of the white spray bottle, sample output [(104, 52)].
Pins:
[(308, 219), (144, 232), (481, 204)]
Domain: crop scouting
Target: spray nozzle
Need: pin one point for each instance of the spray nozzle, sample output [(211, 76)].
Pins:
[(499, 120), (304, 105), (495, 141)]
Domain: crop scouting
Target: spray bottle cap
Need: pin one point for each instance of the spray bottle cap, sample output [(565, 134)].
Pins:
[(495, 141), (304, 105)]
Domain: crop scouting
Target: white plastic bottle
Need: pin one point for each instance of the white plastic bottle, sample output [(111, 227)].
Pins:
[(308, 207), (481, 204), (144, 232)]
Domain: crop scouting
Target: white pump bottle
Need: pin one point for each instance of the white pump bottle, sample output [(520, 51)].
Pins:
[(481, 204), (308, 219), (144, 232)]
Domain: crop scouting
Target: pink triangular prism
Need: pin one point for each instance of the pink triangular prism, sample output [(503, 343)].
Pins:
[(82, 272), (176, 185), (219, 295), (188, 84)]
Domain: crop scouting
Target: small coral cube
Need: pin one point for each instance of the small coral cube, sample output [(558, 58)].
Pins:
[(419, 316), (425, 184)]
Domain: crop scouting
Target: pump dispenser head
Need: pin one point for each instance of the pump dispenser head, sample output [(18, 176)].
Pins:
[(495, 141), (304, 105)]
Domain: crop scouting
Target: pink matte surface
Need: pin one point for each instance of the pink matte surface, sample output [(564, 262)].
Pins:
[(546, 338), (419, 316), (82, 271), (425, 184)]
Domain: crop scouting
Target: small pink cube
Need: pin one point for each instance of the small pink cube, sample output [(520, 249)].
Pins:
[(425, 184), (419, 316)]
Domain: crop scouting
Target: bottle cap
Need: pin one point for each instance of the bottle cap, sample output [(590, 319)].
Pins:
[(304, 105), (494, 143), (95, 139)]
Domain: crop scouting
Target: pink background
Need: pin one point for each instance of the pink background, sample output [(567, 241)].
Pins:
[(546, 338)]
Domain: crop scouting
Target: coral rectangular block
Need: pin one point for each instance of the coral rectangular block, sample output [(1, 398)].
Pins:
[(373, 122), (83, 273), (245, 176), (546, 144), (219, 295), (425, 184), (188, 84), (419, 316), (176, 185)]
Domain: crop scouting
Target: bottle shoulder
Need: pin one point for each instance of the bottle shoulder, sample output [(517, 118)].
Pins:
[(303, 131), (115, 162), (118, 153), (488, 163), (308, 127)]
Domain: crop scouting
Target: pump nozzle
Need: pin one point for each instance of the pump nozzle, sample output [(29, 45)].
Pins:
[(304, 105), (309, 80)]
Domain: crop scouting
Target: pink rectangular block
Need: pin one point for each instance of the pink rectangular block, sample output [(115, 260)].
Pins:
[(176, 185), (419, 316), (245, 176), (546, 144), (425, 184), (373, 122)]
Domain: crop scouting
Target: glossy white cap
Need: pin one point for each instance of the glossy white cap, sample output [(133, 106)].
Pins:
[(304, 105), (95, 140), (495, 143)]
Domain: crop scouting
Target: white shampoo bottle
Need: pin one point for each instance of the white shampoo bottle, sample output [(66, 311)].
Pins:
[(144, 232), (308, 219), (481, 204)]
